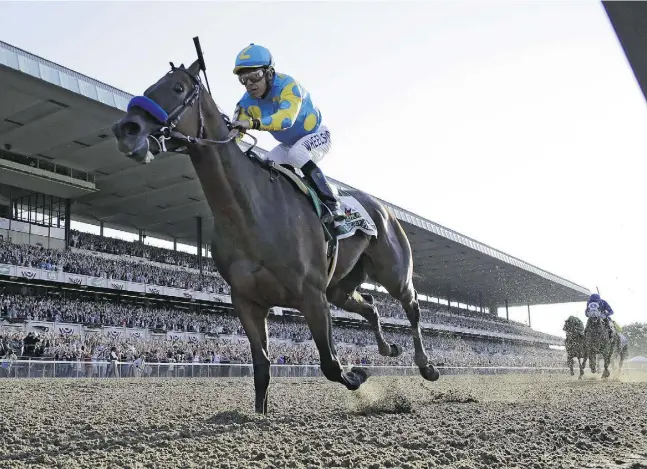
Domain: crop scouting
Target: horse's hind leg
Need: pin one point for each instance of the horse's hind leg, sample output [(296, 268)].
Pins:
[(344, 295), (389, 263)]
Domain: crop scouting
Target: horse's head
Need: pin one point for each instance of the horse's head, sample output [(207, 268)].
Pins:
[(170, 106), (573, 325)]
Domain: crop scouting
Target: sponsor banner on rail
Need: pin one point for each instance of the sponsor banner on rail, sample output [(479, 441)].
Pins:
[(29, 273), (112, 332), (58, 328)]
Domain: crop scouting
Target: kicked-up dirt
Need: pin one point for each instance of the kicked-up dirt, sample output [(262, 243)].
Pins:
[(461, 422)]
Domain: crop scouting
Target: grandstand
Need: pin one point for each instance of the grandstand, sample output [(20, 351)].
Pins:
[(59, 163)]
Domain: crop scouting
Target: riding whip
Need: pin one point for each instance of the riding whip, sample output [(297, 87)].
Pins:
[(203, 66)]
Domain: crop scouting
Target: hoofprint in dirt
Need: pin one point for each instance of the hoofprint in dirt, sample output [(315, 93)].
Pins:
[(457, 422)]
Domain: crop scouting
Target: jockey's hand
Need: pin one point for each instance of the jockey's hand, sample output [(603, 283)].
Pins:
[(242, 125)]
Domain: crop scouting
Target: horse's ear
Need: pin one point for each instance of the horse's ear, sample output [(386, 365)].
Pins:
[(195, 68)]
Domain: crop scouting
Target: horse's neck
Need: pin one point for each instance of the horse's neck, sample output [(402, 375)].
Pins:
[(228, 177)]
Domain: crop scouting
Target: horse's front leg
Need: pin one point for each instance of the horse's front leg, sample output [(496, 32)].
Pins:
[(582, 366), (607, 361), (570, 363), (254, 321)]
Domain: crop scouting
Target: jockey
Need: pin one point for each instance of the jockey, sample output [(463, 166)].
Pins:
[(277, 103), (597, 306)]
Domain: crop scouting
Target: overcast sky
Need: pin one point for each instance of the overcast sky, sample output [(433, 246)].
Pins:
[(519, 124)]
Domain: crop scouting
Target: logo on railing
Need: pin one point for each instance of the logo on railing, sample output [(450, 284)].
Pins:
[(118, 286), (52, 276), (97, 282), (66, 330), (5, 270), (154, 291), (114, 334), (187, 295), (75, 280), (28, 274)]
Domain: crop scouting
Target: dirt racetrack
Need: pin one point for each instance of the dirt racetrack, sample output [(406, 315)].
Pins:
[(532, 421)]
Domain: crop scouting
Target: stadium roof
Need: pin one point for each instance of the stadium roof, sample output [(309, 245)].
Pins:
[(629, 19), (58, 116)]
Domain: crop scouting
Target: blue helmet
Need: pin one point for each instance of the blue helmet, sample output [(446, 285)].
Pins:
[(594, 297), (253, 56)]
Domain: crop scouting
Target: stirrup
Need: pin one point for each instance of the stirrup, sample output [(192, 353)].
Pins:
[(332, 215)]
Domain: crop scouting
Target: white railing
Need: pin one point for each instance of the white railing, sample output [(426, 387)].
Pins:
[(104, 369)]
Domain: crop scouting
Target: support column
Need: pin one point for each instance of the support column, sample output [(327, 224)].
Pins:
[(529, 316), (507, 316), (68, 219), (174, 244), (199, 241), (101, 228), (141, 236)]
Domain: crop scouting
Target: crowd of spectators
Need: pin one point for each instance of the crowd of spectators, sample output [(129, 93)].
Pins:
[(130, 270), (182, 274), (291, 339), (120, 247), (291, 342)]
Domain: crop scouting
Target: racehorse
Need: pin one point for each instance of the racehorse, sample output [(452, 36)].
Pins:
[(598, 341), (575, 345), (268, 243)]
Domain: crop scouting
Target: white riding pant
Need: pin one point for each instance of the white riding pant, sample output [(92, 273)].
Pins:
[(312, 147)]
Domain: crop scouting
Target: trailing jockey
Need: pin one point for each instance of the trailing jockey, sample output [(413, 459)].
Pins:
[(277, 103), (597, 307)]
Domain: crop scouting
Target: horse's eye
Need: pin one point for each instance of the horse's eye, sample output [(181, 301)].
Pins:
[(178, 88)]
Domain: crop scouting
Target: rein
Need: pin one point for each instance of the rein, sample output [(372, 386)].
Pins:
[(172, 119)]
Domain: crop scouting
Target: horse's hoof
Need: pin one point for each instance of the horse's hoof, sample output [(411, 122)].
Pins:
[(361, 373), (368, 298), (430, 373), (396, 350), (572, 373), (579, 377)]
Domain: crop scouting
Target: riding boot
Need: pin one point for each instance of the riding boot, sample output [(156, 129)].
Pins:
[(315, 176)]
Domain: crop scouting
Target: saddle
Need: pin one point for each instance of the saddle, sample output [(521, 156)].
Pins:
[(290, 172)]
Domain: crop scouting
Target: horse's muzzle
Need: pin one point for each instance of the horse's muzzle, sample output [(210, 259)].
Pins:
[(132, 141)]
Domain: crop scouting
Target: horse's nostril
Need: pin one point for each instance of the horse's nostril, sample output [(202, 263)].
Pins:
[(131, 128)]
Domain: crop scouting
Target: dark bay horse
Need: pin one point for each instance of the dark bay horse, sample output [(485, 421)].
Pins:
[(599, 341), (575, 344), (268, 242)]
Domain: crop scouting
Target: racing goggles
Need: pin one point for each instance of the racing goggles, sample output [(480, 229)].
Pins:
[(254, 76)]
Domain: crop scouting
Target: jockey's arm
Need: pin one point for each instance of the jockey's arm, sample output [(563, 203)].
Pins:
[(607, 308), (240, 115), (289, 107)]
